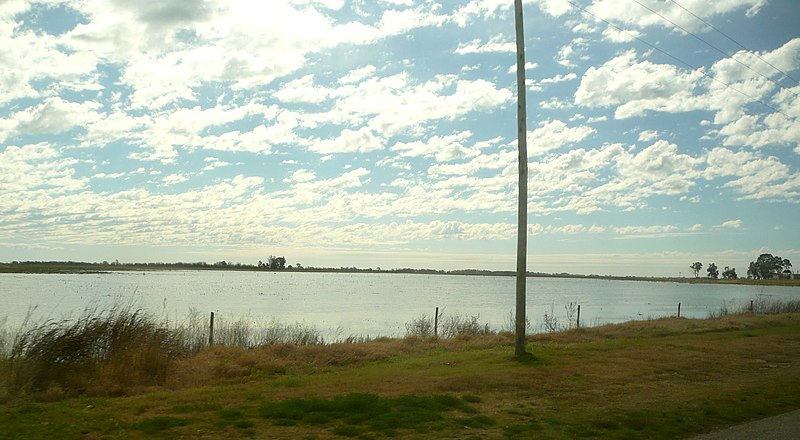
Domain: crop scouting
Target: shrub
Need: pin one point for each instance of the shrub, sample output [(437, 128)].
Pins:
[(421, 327), (762, 305), (458, 325)]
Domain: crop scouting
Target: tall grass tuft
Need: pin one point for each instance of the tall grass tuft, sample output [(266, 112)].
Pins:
[(420, 327), (102, 351), (243, 332), (449, 327), (762, 305), (249, 333), (459, 325)]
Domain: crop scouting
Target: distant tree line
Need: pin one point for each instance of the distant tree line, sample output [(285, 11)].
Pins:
[(729, 273), (766, 266), (275, 263)]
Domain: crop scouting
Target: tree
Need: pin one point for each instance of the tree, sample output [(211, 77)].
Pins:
[(696, 267), (274, 262), (522, 209), (752, 271), (729, 273), (766, 266), (713, 272)]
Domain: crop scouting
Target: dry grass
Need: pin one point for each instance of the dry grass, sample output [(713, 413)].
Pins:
[(762, 305), (665, 378), (110, 351), (126, 352), (220, 364)]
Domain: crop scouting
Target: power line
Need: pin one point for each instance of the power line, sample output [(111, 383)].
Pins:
[(735, 42), (702, 71), (715, 48)]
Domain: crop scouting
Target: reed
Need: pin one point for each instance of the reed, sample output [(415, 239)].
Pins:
[(420, 327), (460, 325), (762, 305), (114, 349), (120, 350)]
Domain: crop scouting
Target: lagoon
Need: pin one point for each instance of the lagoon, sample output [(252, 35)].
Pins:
[(361, 304)]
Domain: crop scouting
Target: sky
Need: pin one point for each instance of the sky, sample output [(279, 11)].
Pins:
[(382, 133)]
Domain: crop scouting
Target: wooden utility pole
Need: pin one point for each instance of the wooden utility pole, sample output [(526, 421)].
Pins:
[(522, 212)]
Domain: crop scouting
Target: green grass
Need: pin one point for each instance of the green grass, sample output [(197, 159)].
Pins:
[(660, 379), (370, 414)]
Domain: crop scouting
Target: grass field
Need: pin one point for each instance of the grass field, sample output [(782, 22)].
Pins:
[(667, 378)]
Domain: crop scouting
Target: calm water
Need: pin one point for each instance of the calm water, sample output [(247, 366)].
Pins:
[(360, 304)]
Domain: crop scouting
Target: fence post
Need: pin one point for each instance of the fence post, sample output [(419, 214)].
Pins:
[(578, 321), (679, 310), (751, 306), (211, 331), (436, 323)]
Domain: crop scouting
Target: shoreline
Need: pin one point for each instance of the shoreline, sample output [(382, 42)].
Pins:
[(100, 268)]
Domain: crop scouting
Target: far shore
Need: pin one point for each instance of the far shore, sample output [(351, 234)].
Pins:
[(72, 267)]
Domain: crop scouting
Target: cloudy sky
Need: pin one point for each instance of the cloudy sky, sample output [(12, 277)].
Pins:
[(383, 132)]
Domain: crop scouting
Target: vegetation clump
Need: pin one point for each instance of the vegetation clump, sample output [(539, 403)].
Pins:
[(121, 352), (113, 350), (641, 379), (762, 305), (451, 326)]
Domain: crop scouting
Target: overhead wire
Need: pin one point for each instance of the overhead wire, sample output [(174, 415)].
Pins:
[(685, 63), (735, 42), (715, 47)]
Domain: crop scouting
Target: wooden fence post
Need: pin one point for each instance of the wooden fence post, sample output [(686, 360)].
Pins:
[(436, 323), (211, 331), (751, 306), (679, 310), (578, 321)]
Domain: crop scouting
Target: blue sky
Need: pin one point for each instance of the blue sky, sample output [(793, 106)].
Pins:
[(382, 133)]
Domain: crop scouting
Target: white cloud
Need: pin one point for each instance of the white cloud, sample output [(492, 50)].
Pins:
[(213, 163), (646, 231), (52, 116), (479, 9), (637, 86), (753, 176), (595, 119), (648, 135), (555, 8), (28, 168), (575, 49), (301, 175), (615, 35), (348, 141), (442, 148), (358, 75), (498, 43), (636, 15), (552, 135), (174, 179), (730, 224), (395, 104), (216, 89), (302, 90), (538, 85), (394, 22), (528, 67), (238, 42)]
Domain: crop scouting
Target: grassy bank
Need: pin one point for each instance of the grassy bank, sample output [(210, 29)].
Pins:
[(666, 378)]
